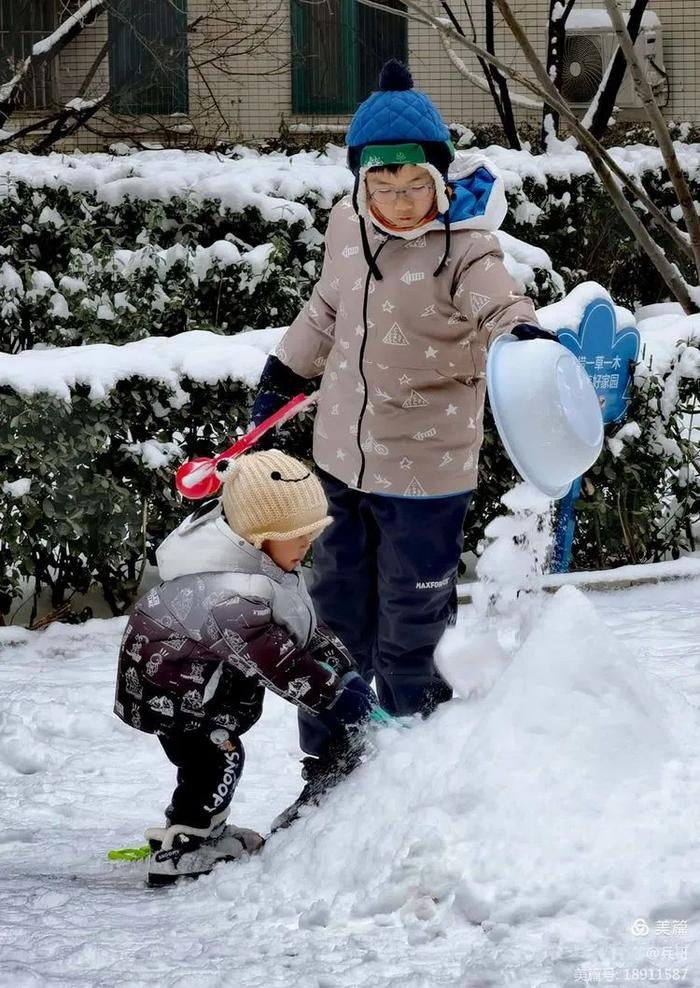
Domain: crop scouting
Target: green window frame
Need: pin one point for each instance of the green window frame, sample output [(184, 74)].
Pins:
[(338, 49), (148, 56)]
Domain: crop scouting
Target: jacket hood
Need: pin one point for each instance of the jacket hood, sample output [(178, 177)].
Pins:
[(204, 543), (479, 199)]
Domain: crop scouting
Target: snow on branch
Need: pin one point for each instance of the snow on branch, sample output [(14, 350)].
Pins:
[(46, 49), (68, 29)]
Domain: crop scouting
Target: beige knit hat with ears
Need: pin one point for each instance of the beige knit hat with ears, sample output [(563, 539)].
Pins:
[(269, 495)]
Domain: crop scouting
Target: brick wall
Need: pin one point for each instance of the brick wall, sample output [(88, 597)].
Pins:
[(240, 86)]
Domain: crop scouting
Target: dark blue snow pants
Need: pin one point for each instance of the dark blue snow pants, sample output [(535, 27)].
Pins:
[(384, 576)]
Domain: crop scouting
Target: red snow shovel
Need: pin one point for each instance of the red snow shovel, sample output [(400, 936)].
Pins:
[(198, 478)]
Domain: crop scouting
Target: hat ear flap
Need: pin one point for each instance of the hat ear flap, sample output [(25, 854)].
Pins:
[(359, 197), (441, 197)]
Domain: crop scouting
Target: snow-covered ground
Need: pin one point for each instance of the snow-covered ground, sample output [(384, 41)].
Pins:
[(547, 835)]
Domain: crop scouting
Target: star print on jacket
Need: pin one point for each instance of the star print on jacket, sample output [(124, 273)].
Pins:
[(403, 379)]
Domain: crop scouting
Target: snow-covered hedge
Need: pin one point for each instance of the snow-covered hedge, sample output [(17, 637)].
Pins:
[(98, 250), (101, 249), (90, 440), (93, 435)]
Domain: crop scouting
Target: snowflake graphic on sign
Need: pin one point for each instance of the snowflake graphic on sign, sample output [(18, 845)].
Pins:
[(608, 355)]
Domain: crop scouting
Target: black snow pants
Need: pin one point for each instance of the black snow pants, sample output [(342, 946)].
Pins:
[(209, 764), (384, 581)]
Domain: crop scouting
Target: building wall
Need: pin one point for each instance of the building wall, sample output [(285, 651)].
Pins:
[(247, 94)]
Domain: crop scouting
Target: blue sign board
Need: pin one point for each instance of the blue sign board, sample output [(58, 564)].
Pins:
[(608, 356)]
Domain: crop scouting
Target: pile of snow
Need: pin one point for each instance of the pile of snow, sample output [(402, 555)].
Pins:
[(527, 838), (546, 806)]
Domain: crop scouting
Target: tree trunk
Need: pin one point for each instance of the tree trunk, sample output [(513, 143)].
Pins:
[(559, 11), (506, 113), (604, 103)]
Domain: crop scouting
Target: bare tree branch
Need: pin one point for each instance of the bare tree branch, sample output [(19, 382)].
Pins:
[(62, 123), (646, 94), (669, 272), (72, 118), (604, 165), (92, 71), (517, 99), (45, 50)]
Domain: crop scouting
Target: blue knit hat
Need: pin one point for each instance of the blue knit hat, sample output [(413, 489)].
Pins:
[(397, 114)]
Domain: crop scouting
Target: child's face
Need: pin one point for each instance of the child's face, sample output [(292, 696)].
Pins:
[(407, 210), (287, 553)]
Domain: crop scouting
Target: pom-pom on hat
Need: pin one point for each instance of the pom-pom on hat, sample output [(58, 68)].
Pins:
[(269, 495)]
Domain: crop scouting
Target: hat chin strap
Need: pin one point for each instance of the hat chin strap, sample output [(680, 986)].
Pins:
[(362, 205)]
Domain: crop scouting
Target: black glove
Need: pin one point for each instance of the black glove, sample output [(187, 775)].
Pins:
[(352, 706), (527, 332), (276, 386)]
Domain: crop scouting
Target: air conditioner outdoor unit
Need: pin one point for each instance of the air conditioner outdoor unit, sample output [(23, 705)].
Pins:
[(591, 43)]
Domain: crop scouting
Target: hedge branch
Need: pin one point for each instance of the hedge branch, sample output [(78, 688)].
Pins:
[(646, 94)]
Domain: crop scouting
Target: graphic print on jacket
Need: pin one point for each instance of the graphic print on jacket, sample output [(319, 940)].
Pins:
[(225, 624), (403, 359)]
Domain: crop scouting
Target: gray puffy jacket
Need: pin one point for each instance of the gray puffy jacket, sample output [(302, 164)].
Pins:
[(224, 624)]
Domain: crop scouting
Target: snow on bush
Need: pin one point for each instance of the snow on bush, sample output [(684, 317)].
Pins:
[(121, 280)]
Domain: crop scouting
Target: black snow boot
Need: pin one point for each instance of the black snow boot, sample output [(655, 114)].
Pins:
[(178, 851), (321, 775)]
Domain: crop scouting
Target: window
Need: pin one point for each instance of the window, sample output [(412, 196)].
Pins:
[(22, 24), (148, 56), (338, 49)]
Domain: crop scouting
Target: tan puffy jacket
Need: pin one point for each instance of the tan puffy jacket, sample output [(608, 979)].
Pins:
[(403, 359)]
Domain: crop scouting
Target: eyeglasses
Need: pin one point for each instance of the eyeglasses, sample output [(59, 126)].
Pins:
[(414, 192)]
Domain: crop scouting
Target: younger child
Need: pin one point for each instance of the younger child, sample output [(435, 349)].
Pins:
[(232, 617)]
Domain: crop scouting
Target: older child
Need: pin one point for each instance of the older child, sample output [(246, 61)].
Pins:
[(231, 618), (413, 291)]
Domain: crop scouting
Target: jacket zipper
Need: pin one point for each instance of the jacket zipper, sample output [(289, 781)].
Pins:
[(365, 302)]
